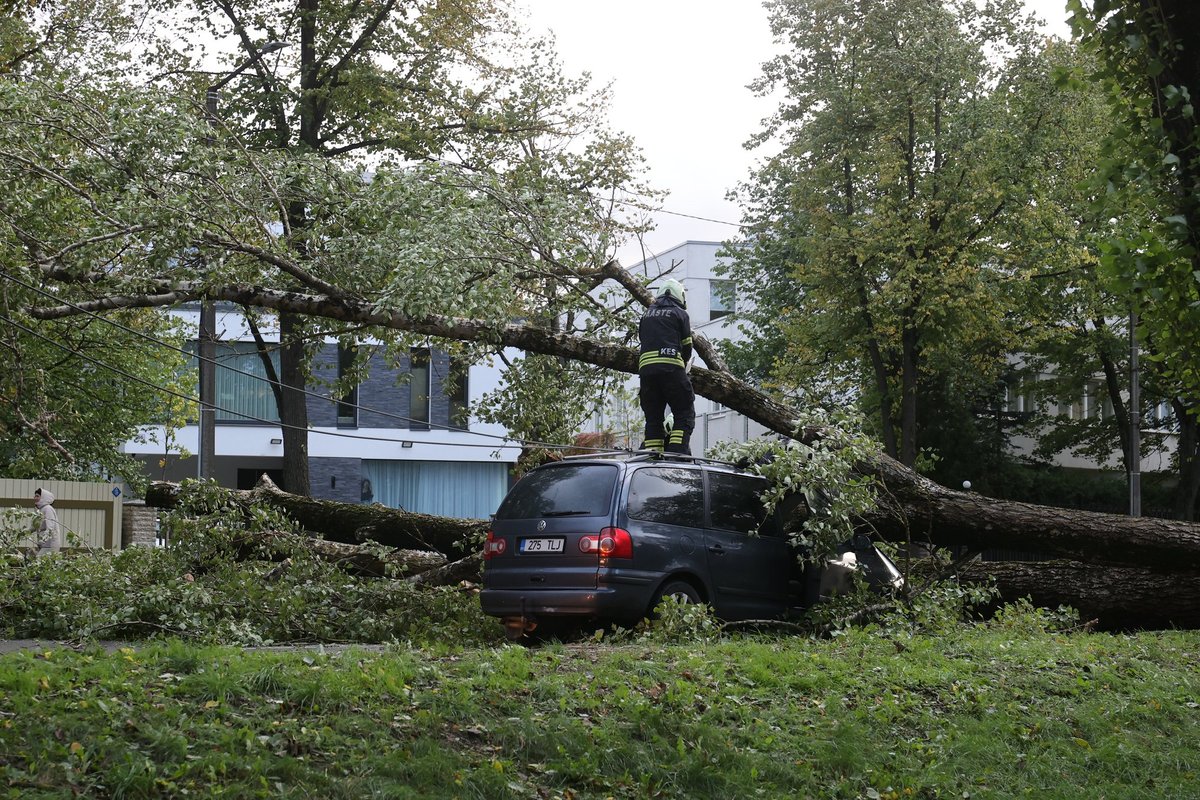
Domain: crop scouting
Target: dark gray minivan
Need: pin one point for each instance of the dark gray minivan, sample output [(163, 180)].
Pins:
[(608, 538)]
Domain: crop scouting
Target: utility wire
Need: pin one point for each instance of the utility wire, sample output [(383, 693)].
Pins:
[(217, 362), (251, 417), (504, 440), (645, 207)]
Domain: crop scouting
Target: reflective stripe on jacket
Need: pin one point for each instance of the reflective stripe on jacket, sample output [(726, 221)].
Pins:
[(665, 334)]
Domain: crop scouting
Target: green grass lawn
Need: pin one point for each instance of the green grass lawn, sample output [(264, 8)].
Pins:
[(974, 713)]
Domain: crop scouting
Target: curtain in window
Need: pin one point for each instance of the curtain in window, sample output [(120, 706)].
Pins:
[(466, 490), (243, 389)]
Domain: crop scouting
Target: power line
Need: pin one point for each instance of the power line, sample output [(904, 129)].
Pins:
[(251, 417), (645, 207), (504, 440)]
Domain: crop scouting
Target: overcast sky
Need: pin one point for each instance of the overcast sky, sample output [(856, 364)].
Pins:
[(679, 70)]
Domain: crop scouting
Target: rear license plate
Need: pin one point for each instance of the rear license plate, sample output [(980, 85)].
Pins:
[(544, 545)]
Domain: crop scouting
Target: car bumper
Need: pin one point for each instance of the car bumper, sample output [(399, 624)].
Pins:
[(603, 602)]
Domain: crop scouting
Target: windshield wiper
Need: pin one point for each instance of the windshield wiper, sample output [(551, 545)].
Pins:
[(564, 513)]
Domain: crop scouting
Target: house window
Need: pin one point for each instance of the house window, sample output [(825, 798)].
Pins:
[(347, 406), (463, 490), (720, 299), (1071, 409), (244, 392), (418, 388), (1160, 417), (1020, 396), (457, 393), (1096, 405)]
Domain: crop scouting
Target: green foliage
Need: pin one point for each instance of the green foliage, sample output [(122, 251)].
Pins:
[(893, 238), (1060, 487), (984, 712), (540, 398), (823, 472), (1024, 618), (673, 622), (438, 163), (208, 586)]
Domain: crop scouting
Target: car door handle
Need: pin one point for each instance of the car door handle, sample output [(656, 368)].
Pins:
[(716, 549)]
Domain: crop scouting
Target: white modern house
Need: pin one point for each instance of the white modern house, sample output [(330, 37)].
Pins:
[(710, 299), (401, 437)]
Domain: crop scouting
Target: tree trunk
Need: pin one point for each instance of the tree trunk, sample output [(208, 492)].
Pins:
[(349, 522), (293, 411), (1188, 451), (912, 507), (1117, 597), (356, 559), (469, 569)]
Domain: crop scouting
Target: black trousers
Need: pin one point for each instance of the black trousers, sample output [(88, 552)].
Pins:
[(660, 388)]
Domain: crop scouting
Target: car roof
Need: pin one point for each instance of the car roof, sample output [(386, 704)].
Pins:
[(632, 458)]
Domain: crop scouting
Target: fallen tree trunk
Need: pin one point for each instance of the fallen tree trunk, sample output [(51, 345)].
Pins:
[(913, 507), (375, 562), (350, 523), (469, 569), (1117, 597), (922, 509)]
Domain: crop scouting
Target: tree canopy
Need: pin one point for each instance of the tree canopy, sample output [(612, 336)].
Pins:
[(420, 163), (913, 134)]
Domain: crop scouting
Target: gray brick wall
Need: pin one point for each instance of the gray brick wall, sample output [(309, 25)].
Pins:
[(380, 391), (336, 479), (386, 389), (139, 525), (323, 413)]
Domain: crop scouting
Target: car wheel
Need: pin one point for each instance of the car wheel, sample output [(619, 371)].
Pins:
[(682, 591)]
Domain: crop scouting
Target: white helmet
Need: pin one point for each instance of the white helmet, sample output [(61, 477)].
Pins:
[(673, 288)]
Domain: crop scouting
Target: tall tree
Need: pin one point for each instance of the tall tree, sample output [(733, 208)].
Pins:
[(911, 131), (385, 156), (70, 394), (1147, 63)]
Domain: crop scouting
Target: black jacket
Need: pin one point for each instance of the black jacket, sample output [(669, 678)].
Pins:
[(665, 334)]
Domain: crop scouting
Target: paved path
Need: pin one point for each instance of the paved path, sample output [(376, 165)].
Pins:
[(39, 645), (109, 646)]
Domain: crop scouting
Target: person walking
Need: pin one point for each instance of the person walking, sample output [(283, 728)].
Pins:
[(665, 337), (47, 535)]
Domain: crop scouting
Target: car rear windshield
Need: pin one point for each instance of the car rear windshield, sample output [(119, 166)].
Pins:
[(573, 490)]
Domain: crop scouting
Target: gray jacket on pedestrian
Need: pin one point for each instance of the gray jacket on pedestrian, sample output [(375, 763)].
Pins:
[(48, 540)]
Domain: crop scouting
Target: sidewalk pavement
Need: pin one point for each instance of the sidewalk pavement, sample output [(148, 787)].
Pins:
[(41, 645), (110, 646)]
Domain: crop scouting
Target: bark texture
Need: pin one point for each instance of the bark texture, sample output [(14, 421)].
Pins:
[(914, 506), (1116, 597), (374, 562), (349, 523)]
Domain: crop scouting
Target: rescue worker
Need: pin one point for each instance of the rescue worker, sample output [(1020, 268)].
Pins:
[(665, 335)]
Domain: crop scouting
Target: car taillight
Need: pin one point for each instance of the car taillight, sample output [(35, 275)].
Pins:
[(494, 546), (609, 543)]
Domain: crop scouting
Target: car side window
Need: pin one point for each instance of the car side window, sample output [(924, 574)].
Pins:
[(734, 503), (672, 496)]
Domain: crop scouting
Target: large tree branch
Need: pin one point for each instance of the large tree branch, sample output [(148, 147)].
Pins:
[(722, 387), (166, 298), (613, 270), (911, 506), (285, 265)]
